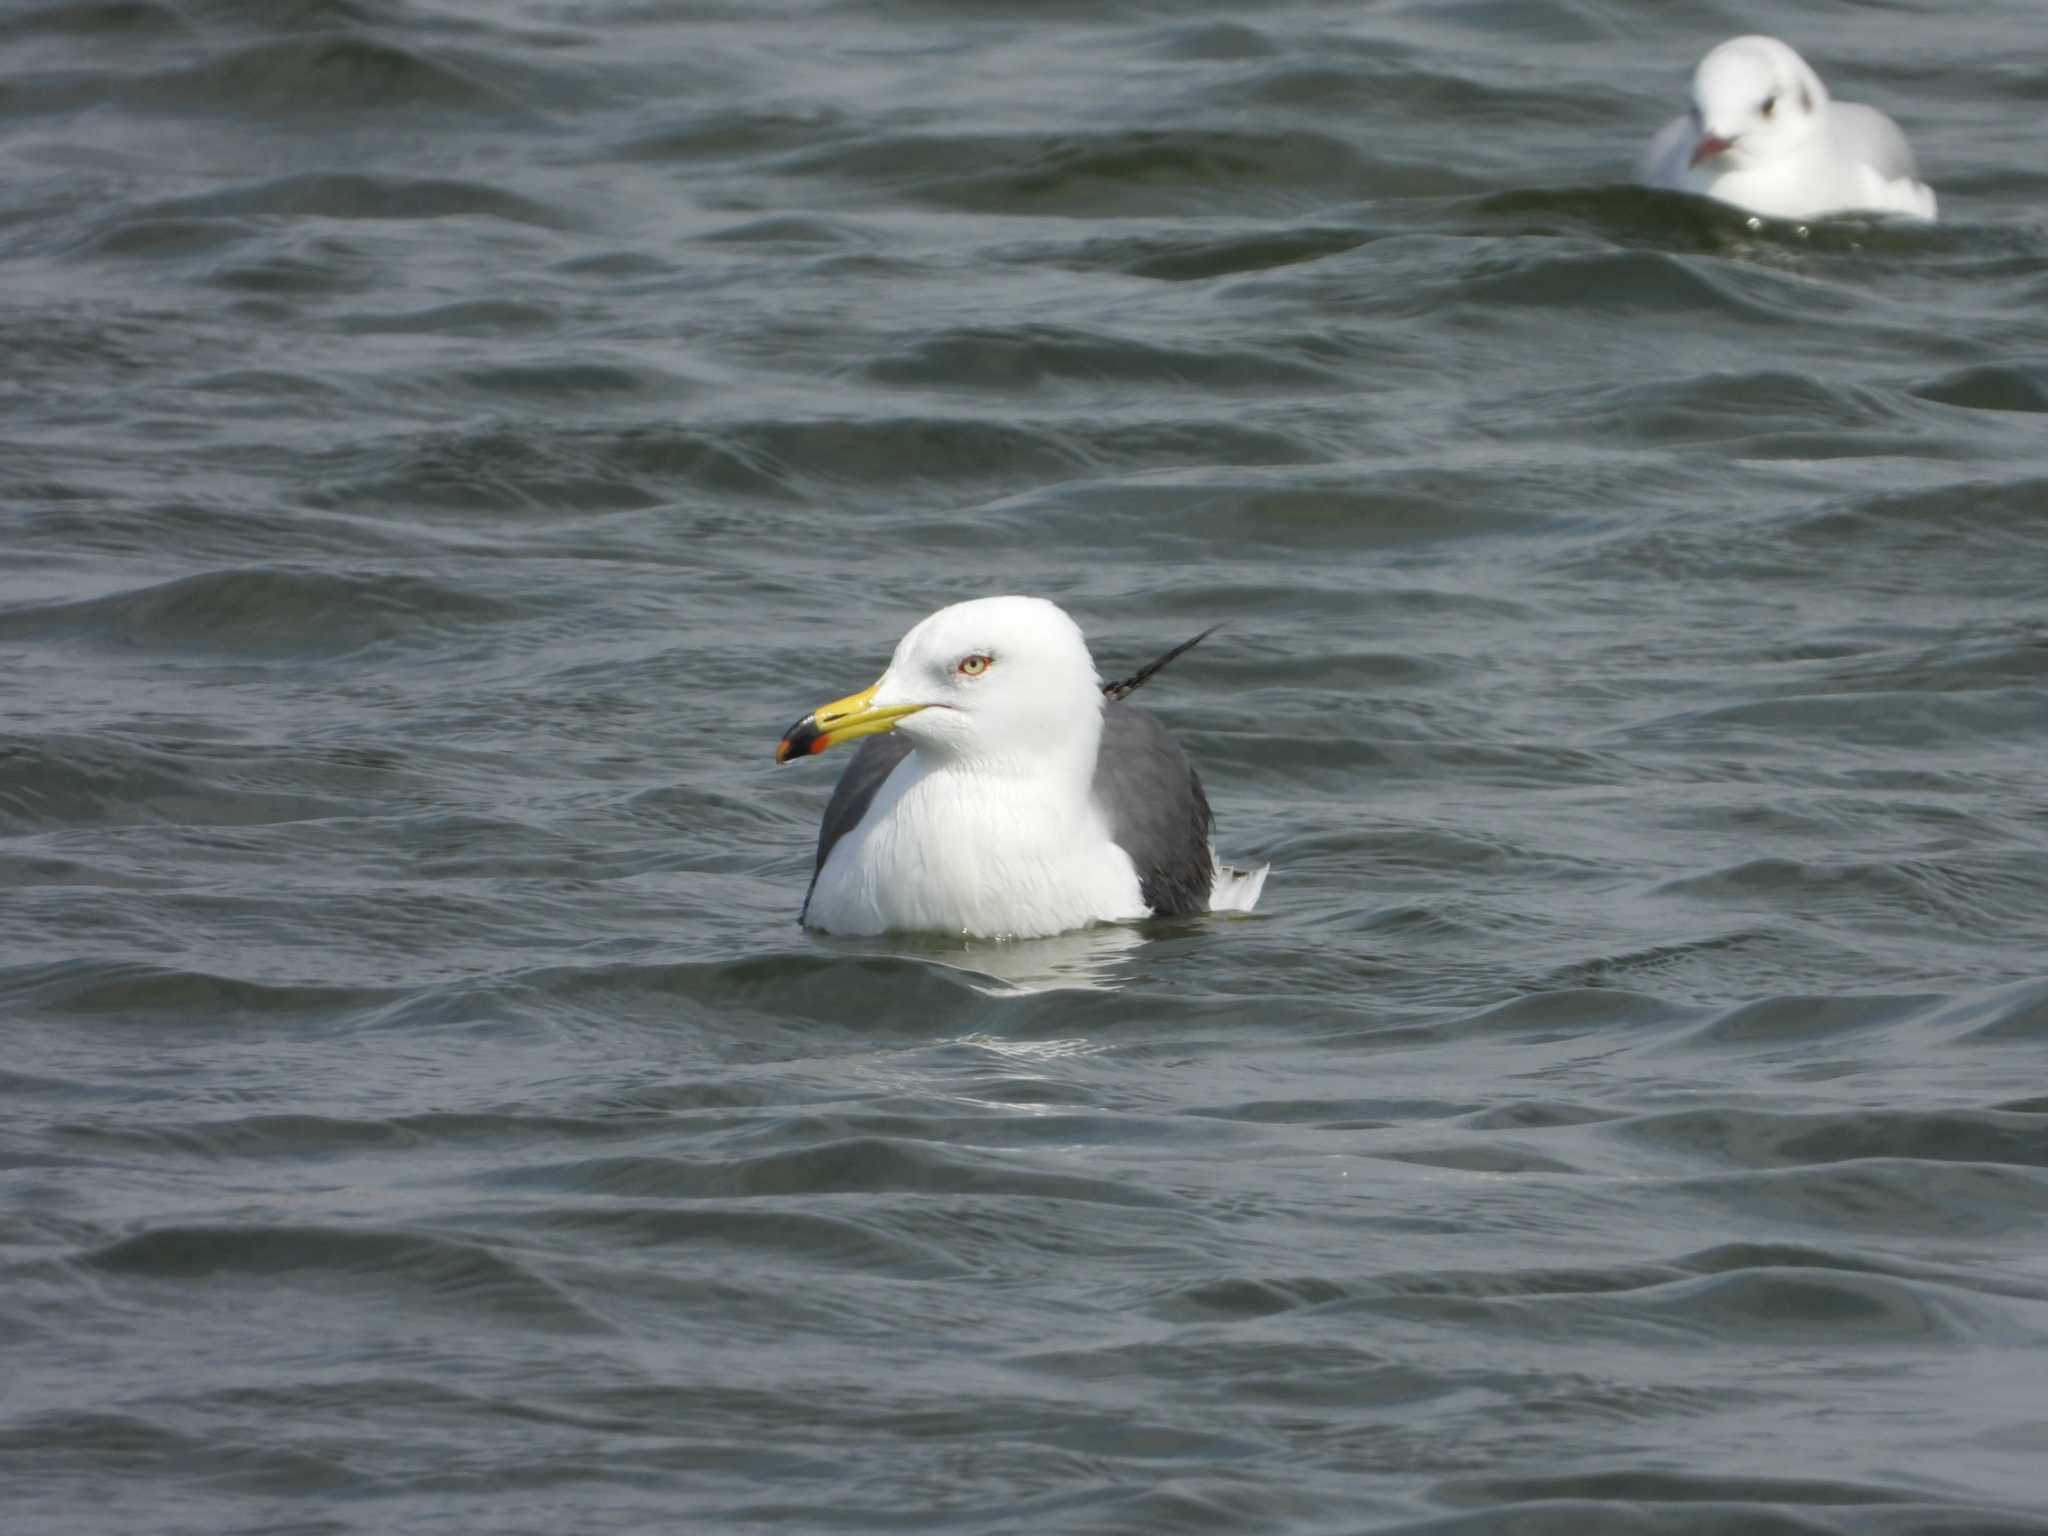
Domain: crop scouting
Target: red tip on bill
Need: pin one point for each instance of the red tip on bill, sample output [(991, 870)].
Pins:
[(1710, 145)]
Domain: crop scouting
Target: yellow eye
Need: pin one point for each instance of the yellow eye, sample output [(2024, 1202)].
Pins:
[(973, 666)]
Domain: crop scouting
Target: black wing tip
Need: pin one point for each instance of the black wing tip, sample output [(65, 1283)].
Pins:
[(1138, 679)]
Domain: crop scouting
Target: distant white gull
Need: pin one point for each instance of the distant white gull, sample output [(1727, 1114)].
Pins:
[(1013, 796), (1763, 135)]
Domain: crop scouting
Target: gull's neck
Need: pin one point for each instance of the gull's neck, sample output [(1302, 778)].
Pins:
[(1058, 761)]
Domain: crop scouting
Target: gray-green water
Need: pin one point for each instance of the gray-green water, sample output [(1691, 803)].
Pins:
[(441, 446)]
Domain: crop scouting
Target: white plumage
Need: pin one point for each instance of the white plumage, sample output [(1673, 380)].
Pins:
[(954, 847), (1013, 798), (1764, 135)]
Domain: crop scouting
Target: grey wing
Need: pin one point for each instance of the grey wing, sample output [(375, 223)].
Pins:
[(1663, 160), (872, 764), (1156, 810), (1867, 136)]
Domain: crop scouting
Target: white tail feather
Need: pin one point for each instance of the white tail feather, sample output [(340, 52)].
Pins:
[(1237, 890)]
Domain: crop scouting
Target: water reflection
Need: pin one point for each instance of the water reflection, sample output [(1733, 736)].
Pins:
[(1088, 960)]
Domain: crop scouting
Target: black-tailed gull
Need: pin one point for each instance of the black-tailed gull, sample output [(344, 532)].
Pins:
[(1013, 795), (1763, 135)]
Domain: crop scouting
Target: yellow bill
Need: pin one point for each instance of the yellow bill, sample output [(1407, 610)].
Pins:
[(844, 719)]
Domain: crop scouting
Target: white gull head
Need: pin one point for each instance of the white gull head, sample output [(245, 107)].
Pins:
[(1004, 683), (1755, 101)]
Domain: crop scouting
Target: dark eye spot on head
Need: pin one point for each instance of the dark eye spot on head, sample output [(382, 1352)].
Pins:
[(1805, 98), (1770, 105)]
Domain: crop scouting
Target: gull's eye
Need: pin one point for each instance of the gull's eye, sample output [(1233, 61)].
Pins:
[(972, 666), (1770, 105)]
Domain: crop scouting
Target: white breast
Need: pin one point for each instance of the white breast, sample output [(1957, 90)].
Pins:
[(951, 849)]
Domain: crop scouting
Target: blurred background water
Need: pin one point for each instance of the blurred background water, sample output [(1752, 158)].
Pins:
[(443, 443)]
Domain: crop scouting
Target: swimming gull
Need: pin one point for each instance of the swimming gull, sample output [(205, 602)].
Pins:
[(1763, 135), (1005, 791)]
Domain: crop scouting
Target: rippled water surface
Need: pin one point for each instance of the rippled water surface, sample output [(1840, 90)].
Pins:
[(443, 443)]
